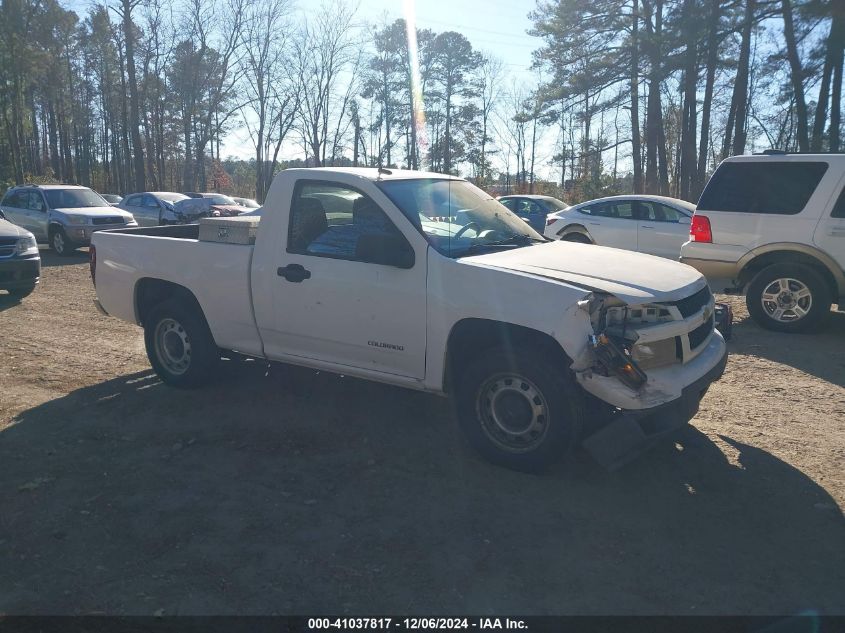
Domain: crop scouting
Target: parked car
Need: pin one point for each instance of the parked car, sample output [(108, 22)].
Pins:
[(20, 263), (655, 225), (533, 209), (153, 207), (520, 331), (191, 209), (65, 216), (112, 199), (249, 203), (772, 227)]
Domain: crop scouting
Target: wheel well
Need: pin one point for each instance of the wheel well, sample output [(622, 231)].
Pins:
[(574, 228), (151, 292), (469, 337), (787, 257)]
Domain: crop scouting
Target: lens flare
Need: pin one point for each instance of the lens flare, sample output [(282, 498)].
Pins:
[(416, 85)]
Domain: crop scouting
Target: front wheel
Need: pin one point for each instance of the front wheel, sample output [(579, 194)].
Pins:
[(179, 345), (60, 243), (788, 298), (518, 409)]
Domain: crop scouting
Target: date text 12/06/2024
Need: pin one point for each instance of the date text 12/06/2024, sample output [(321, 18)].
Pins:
[(415, 624)]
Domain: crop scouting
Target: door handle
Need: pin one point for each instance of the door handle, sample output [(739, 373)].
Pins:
[(646, 226), (837, 232), (294, 272), (596, 223)]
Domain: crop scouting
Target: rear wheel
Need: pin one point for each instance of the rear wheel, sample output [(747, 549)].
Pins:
[(576, 237), (518, 409), (179, 344), (788, 298)]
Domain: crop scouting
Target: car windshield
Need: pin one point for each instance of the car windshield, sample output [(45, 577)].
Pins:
[(556, 204), (456, 217), (221, 199), (73, 198), (171, 197), (246, 202)]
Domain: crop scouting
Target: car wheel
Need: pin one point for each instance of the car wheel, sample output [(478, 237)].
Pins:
[(179, 345), (788, 298), (20, 293), (60, 243), (519, 410), (576, 237)]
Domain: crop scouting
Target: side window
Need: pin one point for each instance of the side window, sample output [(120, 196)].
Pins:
[(17, 199), (770, 187), (327, 220), (534, 208), (656, 212), (508, 203), (149, 201), (132, 201), (839, 207), (586, 210), (604, 210), (623, 210), (35, 202)]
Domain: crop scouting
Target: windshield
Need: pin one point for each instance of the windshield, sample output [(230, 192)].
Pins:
[(221, 199), (73, 198), (557, 205), (171, 197), (246, 202), (456, 217)]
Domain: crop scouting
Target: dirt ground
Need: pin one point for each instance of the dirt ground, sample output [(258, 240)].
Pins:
[(299, 492)]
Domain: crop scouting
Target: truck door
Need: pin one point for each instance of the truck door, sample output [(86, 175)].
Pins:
[(331, 305), (830, 231)]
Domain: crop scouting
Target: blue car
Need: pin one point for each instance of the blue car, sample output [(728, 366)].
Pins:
[(533, 209)]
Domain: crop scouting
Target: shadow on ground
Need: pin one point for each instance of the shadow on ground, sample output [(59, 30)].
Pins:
[(819, 353), (49, 258), (310, 493)]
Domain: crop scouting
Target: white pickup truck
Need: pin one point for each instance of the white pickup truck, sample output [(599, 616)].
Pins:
[(424, 281)]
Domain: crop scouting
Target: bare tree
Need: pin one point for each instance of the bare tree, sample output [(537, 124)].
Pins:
[(328, 55)]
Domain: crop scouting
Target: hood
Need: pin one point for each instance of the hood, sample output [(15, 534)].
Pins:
[(94, 212), (632, 277), (7, 229)]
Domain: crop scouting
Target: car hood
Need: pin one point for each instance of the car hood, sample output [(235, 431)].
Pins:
[(632, 277), (7, 229), (94, 212)]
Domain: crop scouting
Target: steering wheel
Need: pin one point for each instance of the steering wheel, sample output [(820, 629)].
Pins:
[(465, 228)]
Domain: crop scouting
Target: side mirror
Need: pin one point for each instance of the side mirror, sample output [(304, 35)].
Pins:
[(384, 249)]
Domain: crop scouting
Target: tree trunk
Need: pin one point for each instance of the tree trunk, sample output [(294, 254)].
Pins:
[(739, 101), (797, 75), (636, 150), (134, 118), (707, 104)]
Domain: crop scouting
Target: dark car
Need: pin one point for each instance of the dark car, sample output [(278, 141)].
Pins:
[(533, 208), (20, 263)]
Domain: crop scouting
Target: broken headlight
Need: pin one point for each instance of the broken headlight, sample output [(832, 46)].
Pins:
[(654, 354), (618, 362)]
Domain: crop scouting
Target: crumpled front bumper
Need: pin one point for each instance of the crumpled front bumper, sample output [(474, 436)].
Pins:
[(631, 432)]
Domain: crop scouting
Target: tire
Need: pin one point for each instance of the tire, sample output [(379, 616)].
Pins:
[(59, 242), (580, 238), (543, 410), (20, 293), (788, 298), (179, 344)]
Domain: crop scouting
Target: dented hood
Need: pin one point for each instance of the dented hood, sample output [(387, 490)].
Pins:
[(632, 277)]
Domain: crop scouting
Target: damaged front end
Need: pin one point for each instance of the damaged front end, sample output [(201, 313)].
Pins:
[(651, 363)]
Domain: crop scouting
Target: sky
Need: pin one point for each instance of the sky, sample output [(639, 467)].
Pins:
[(497, 28)]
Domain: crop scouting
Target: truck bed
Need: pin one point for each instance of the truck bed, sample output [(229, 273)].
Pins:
[(217, 274)]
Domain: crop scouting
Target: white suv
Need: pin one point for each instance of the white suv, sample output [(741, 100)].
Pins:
[(772, 226)]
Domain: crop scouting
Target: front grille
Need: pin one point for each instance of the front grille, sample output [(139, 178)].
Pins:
[(7, 251), (111, 220), (692, 304), (8, 241), (700, 334)]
